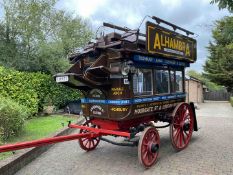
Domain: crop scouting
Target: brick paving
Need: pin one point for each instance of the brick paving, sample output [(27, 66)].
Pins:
[(210, 152)]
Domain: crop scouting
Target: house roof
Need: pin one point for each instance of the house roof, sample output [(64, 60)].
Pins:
[(192, 78)]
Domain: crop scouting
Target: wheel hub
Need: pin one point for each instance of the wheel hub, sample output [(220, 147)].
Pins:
[(154, 148), (186, 126)]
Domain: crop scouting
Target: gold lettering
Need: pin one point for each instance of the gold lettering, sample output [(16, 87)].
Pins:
[(176, 44), (117, 93), (162, 41), (119, 109), (171, 43), (183, 46), (180, 45), (166, 41), (157, 42), (117, 89), (187, 51)]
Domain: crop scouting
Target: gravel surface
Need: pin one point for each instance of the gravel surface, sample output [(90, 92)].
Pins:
[(209, 152)]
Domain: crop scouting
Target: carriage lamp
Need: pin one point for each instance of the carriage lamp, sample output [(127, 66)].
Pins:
[(128, 67)]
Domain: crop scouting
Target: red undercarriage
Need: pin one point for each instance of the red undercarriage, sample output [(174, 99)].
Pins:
[(121, 125), (106, 127)]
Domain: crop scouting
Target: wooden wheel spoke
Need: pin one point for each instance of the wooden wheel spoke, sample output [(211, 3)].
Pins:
[(177, 133), (182, 138), (185, 139), (92, 141), (187, 117), (145, 155), (89, 145), (153, 156), (149, 157), (176, 139), (153, 136), (186, 133), (86, 143), (84, 139)]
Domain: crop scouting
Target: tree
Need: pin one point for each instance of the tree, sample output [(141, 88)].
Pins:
[(41, 34), (224, 4), (8, 50), (219, 65)]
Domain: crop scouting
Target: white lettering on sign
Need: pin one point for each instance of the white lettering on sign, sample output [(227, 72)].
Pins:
[(97, 107), (97, 110), (96, 93)]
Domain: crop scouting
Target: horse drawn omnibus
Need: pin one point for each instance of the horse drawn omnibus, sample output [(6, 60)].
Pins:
[(130, 81)]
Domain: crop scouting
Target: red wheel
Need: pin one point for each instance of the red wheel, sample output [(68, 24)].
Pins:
[(181, 128), (88, 144), (148, 147)]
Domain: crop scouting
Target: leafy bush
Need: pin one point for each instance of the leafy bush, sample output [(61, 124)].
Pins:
[(231, 101), (12, 116), (17, 86), (34, 90)]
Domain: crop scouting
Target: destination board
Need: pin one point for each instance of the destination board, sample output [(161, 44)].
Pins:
[(168, 43)]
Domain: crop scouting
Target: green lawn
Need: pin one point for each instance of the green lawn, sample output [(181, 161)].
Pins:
[(39, 127)]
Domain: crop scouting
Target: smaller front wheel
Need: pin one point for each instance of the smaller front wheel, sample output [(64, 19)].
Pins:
[(148, 147), (88, 144)]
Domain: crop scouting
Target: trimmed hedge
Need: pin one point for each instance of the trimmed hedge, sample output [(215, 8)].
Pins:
[(231, 101), (34, 90), (12, 116)]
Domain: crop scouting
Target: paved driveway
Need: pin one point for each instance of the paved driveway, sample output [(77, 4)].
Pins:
[(210, 152), (215, 109)]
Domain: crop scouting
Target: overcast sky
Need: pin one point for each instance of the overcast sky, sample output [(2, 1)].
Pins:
[(197, 16)]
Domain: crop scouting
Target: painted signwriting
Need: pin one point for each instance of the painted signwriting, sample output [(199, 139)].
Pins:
[(97, 110), (119, 109), (117, 91), (156, 106), (96, 93), (169, 43), (134, 101)]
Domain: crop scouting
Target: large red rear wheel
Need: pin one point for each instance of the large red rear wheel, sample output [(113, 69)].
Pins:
[(148, 147), (181, 128), (88, 144)]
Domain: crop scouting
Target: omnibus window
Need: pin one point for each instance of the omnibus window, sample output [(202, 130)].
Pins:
[(173, 83), (179, 81), (142, 82), (162, 81), (176, 81)]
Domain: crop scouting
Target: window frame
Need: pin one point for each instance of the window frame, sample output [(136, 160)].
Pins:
[(155, 81), (173, 89), (152, 84)]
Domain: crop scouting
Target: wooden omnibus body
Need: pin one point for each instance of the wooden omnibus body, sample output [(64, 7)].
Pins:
[(130, 81)]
